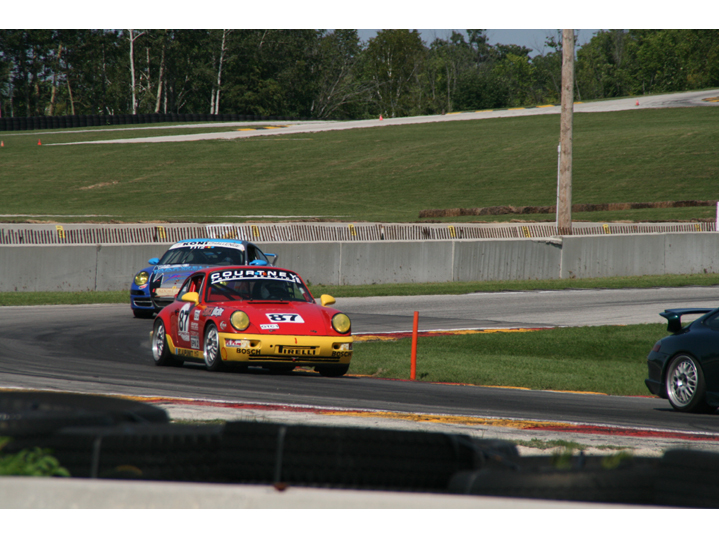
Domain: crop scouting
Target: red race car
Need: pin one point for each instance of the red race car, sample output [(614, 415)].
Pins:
[(252, 316)]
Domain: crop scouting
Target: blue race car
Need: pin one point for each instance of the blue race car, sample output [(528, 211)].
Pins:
[(684, 367), (157, 285)]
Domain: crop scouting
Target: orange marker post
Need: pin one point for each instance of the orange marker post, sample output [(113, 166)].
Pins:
[(413, 366)]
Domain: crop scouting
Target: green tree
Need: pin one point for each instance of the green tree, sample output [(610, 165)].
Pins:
[(340, 91), (393, 63), (446, 61)]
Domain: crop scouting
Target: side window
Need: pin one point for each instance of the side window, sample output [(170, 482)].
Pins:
[(256, 254), (713, 322), (196, 284), (184, 289), (192, 284)]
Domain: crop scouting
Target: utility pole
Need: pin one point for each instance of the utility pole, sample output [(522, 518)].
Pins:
[(564, 183)]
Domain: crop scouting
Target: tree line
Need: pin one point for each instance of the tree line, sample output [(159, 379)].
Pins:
[(330, 74)]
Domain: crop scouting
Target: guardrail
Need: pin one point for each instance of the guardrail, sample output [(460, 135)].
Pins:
[(85, 234)]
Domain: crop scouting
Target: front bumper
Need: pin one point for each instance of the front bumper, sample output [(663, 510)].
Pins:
[(159, 302), (140, 300), (287, 349)]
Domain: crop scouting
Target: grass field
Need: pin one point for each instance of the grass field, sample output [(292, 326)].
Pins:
[(607, 359), (383, 174)]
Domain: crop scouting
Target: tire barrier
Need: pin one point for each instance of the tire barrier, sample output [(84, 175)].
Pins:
[(111, 438), (98, 120), (271, 454), (681, 478), (350, 457), (37, 413)]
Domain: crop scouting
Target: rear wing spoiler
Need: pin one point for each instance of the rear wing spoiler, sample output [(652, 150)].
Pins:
[(674, 317)]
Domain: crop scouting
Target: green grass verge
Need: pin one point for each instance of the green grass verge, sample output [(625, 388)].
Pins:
[(63, 298), (607, 359), (403, 289), (383, 174), (416, 289)]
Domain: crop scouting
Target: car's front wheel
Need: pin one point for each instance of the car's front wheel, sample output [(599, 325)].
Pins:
[(160, 351), (213, 361), (685, 384)]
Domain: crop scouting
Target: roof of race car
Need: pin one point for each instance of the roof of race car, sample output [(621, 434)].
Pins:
[(208, 243)]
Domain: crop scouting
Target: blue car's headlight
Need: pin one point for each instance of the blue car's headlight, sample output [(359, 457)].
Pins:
[(141, 278)]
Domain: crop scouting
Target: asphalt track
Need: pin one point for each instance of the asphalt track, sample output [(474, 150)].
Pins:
[(704, 98), (103, 349)]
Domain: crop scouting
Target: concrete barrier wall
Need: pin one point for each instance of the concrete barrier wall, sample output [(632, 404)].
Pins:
[(111, 267), (500, 260)]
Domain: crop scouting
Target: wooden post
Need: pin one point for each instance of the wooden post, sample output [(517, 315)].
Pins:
[(564, 194)]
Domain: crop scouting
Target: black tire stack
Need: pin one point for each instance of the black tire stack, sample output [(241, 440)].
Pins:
[(105, 437)]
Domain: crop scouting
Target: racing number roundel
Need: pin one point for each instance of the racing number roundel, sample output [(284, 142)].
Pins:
[(285, 317), (183, 322)]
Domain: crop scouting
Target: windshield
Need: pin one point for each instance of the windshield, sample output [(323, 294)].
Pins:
[(209, 256), (257, 285)]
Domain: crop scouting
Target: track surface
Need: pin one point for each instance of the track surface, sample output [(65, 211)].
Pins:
[(103, 349), (685, 99)]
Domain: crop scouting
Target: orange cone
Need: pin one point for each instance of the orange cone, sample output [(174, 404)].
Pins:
[(380, 117), (637, 102), (39, 143), (2, 144)]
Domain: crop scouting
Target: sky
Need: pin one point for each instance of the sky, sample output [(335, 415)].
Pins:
[(514, 23), (532, 39)]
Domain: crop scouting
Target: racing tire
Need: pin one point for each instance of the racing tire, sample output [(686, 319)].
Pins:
[(211, 349), (685, 385), (160, 349), (333, 371), (142, 313)]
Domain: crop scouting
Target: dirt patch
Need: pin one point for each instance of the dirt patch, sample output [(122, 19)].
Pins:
[(528, 210)]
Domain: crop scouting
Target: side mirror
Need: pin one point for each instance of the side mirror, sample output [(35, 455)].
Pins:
[(326, 299), (274, 258), (193, 297), (258, 262), (153, 261)]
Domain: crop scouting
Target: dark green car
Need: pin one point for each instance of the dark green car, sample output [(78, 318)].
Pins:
[(684, 367)]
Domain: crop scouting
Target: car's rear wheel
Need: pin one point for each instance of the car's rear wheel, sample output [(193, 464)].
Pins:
[(334, 370), (160, 350), (213, 361), (685, 384)]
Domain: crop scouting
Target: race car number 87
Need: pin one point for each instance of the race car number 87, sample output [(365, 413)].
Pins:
[(285, 317)]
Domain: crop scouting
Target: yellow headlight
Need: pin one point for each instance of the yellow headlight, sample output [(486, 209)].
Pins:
[(341, 323), (141, 278), (239, 320)]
